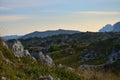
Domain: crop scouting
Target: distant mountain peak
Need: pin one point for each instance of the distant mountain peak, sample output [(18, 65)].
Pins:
[(106, 28), (110, 28), (116, 27)]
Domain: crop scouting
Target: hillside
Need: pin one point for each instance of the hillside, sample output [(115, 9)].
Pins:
[(26, 68), (81, 49), (77, 56)]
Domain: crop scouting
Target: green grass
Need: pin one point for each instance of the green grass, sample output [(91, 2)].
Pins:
[(28, 69)]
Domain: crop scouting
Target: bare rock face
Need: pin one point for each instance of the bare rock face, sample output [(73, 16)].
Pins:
[(44, 58), (113, 57), (18, 49), (49, 60), (88, 57)]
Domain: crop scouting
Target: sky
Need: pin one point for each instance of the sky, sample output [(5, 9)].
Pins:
[(19, 17)]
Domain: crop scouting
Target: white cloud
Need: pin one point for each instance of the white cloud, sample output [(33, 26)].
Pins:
[(4, 8), (13, 18), (97, 13)]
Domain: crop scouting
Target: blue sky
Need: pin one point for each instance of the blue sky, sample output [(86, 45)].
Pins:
[(18, 17)]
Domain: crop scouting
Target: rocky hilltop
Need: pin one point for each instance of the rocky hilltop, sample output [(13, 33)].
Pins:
[(111, 28)]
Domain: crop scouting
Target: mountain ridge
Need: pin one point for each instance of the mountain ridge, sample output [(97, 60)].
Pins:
[(48, 33), (41, 34), (111, 28)]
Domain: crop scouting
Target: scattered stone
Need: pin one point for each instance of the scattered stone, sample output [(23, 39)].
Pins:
[(45, 78), (49, 77), (3, 78), (70, 68), (60, 66), (34, 58), (88, 57)]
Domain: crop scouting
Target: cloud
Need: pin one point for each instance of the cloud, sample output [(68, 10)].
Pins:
[(13, 18), (4, 8), (26, 3), (97, 13)]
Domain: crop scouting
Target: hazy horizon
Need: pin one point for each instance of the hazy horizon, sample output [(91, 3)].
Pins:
[(19, 17)]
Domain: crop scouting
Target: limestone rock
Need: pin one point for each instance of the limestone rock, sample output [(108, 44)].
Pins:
[(88, 57), (18, 49), (43, 58), (60, 66), (3, 78), (113, 57), (48, 60)]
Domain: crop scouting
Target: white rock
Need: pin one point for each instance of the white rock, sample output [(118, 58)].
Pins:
[(70, 68), (18, 50), (48, 60), (26, 53), (60, 65), (3, 78)]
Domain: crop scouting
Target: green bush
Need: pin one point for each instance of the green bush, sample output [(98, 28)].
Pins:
[(53, 48)]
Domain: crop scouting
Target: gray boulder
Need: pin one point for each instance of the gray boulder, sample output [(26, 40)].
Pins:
[(18, 49), (3, 78), (43, 58)]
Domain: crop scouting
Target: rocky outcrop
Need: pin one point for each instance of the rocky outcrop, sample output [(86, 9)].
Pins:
[(49, 60), (91, 67), (18, 49), (113, 57), (88, 57), (43, 58), (3, 78)]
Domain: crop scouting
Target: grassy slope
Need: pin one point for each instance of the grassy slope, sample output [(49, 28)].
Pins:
[(27, 69), (102, 48)]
